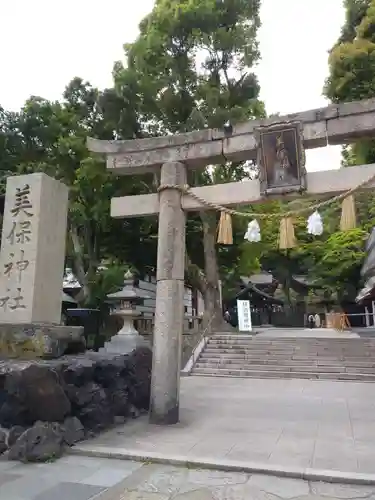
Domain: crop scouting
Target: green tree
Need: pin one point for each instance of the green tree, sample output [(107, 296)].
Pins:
[(355, 11), (9, 147), (351, 77), (192, 62), (51, 137), (338, 261), (352, 69)]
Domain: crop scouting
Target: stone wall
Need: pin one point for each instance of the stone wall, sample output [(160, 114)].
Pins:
[(48, 404)]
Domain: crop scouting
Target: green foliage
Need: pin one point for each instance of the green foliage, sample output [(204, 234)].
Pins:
[(106, 280), (351, 61), (355, 10), (339, 260), (352, 70), (351, 77), (184, 59), (9, 147)]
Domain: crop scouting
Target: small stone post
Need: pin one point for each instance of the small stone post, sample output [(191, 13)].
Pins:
[(169, 311)]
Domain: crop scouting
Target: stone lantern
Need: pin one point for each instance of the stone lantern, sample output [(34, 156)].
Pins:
[(123, 304)]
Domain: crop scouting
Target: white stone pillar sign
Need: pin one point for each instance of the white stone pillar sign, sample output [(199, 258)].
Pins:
[(33, 249), (244, 316)]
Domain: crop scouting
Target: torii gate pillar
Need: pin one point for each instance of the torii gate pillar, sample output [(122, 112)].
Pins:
[(169, 310)]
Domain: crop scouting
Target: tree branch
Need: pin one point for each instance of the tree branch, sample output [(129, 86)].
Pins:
[(78, 261)]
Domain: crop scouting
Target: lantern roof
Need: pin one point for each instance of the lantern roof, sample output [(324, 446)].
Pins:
[(128, 293)]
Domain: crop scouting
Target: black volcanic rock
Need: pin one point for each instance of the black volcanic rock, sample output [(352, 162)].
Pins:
[(42, 442), (79, 394)]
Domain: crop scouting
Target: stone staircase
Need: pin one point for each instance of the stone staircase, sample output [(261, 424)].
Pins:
[(233, 355)]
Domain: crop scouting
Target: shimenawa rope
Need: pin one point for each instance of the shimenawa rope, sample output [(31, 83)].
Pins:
[(186, 190)]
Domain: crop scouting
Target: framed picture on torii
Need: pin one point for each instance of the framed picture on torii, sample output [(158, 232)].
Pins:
[(281, 158)]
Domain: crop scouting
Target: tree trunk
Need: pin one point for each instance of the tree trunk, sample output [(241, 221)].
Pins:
[(213, 317), (195, 274), (287, 290), (79, 266), (208, 282)]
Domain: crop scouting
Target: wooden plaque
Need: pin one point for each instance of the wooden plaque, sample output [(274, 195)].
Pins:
[(281, 158)]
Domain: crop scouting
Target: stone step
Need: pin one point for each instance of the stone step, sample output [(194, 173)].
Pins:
[(273, 368), (302, 356), (224, 338), (292, 354), (292, 336), (308, 358), (256, 345), (288, 368), (250, 354), (291, 351), (281, 375), (286, 362), (292, 343), (289, 347), (295, 341), (286, 346), (232, 348)]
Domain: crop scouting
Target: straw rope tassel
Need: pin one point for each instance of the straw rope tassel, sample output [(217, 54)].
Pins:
[(348, 214), (287, 238), (225, 232)]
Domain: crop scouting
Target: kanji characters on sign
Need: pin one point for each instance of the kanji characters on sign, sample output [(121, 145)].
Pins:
[(20, 232), (18, 266), (33, 249), (13, 301), (18, 237), (22, 202)]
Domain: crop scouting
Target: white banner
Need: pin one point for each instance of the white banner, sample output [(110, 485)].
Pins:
[(244, 316)]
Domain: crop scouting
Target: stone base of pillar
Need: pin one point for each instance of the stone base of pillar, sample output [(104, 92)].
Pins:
[(37, 340), (125, 344)]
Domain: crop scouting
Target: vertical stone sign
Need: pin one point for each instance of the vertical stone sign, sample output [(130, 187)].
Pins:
[(33, 249)]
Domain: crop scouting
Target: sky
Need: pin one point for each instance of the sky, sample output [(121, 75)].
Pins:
[(45, 44)]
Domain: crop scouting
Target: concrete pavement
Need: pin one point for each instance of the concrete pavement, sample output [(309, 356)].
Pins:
[(294, 427), (316, 430), (82, 478)]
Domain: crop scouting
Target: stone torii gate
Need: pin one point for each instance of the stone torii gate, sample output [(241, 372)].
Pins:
[(335, 124)]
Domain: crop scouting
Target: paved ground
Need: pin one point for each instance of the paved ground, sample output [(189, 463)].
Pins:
[(288, 424), (82, 478), (292, 424)]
